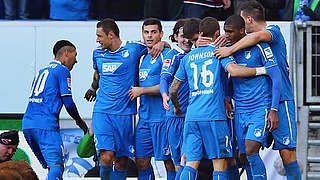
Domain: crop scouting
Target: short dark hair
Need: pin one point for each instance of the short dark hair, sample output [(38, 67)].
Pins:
[(208, 26), (191, 27), (235, 21), (152, 21), (108, 25), (179, 24), (60, 44), (253, 9)]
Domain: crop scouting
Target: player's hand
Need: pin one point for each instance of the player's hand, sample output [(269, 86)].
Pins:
[(177, 110), (82, 125), (90, 95), (91, 130), (165, 101), (273, 120), (222, 52), (229, 111), (227, 4), (221, 41), (135, 92), (203, 41), (156, 50)]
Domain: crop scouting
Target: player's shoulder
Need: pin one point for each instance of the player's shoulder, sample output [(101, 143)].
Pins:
[(273, 27), (132, 43)]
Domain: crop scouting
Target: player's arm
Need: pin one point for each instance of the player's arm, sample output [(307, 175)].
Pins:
[(275, 76), (91, 92), (174, 95), (242, 71), (165, 78), (247, 41), (158, 48), (73, 112), (135, 92)]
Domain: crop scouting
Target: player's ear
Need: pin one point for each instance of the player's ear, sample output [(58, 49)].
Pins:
[(111, 34), (217, 34), (161, 34), (242, 31), (250, 19)]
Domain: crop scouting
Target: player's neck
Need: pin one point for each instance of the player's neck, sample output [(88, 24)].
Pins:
[(115, 45), (261, 25)]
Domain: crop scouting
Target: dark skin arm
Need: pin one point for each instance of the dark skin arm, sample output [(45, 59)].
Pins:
[(90, 94), (174, 95)]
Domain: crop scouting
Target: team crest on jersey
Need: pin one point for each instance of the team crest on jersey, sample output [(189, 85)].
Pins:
[(166, 64), (131, 149), (248, 54), (153, 61), (143, 74), (110, 68), (268, 52), (286, 140), (258, 132), (166, 151), (125, 53)]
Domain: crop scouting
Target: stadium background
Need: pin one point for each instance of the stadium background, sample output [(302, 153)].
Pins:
[(27, 46)]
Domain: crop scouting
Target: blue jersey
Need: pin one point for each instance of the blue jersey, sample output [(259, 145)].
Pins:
[(170, 66), (118, 73), (206, 78), (45, 101), (151, 107), (278, 46), (253, 92)]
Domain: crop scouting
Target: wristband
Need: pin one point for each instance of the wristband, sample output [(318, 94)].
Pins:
[(261, 71), (91, 88)]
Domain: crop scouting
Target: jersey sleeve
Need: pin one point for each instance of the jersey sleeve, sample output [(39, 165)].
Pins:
[(268, 59), (64, 82), (275, 33), (169, 64), (225, 61), (94, 61), (181, 72), (141, 48)]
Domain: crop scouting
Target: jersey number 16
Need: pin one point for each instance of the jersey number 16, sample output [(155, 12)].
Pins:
[(206, 74)]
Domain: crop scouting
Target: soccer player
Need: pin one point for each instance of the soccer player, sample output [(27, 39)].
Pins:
[(51, 88), (285, 135), (8, 145), (175, 123), (191, 29), (205, 130), (151, 136), (253, 97), (116, 67)]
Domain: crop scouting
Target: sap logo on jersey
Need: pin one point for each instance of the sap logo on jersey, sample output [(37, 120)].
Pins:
[(143, 74), (110, 68)]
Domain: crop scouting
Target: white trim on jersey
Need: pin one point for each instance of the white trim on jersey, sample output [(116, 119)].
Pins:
[(265, 58), (62, 95), (289, 120), (265, 122)]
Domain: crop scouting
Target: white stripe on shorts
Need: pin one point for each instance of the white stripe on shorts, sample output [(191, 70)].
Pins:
[(289, 120)]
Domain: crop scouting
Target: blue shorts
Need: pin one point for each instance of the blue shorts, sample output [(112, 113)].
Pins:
[(175, 137), (285, 136), (251, 126), (114, 133), (206, 139), (152, 140), (231, 127), (46, 145)]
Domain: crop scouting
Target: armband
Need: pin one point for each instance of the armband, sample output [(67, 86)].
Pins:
[(261, 71), (91, 88)]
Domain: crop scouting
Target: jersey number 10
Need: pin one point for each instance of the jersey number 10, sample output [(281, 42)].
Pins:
[(206, 74), (39, 83)]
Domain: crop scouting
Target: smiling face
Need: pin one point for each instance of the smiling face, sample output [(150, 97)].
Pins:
[(183, 42), (151, 35), (103, 39)]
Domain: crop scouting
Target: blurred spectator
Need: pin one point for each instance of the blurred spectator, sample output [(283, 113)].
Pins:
[(69, 10), (1, 10), (15, 9), (163, 9), (38, 9), (313, 10), (300, 9), (219, 9), (272, 9), (8, 145)]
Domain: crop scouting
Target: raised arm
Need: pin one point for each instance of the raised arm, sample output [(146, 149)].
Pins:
[(247, 41), (91, 92), (174, 95)]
